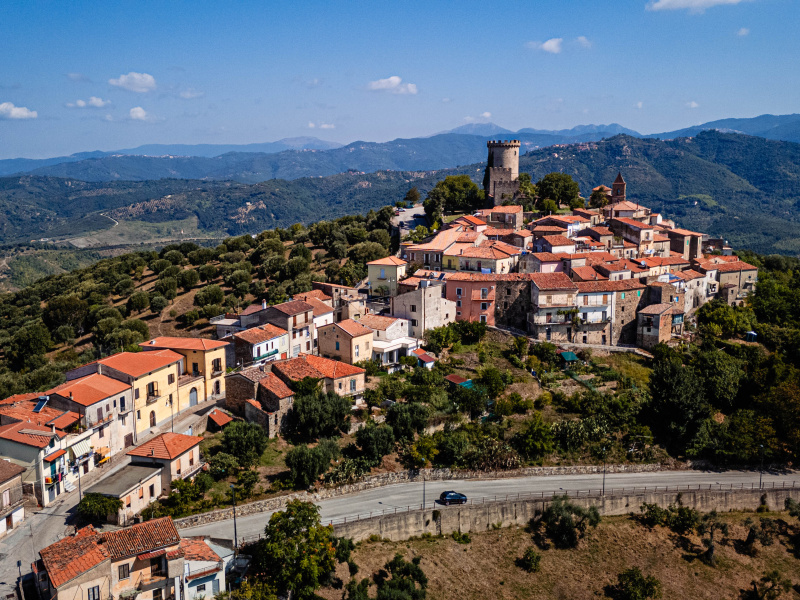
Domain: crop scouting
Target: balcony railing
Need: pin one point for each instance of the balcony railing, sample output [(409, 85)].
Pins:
[(15, 499), (152, 399)]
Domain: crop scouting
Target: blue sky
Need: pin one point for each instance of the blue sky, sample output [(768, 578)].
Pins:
[(80, 76)]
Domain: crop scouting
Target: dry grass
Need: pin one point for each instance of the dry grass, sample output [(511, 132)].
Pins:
[(486, 567)]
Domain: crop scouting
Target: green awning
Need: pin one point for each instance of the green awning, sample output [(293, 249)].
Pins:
[(569, 356)]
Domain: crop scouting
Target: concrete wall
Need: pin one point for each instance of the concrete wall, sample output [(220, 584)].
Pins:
[(482, 517)]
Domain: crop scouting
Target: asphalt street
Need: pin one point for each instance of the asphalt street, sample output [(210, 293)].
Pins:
[(400, 496)]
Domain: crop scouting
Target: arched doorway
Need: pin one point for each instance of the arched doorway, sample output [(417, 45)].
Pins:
[(152, 418), (193, 397)]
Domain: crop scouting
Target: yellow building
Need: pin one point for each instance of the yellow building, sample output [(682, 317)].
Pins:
[(384, 274), (203, 367)]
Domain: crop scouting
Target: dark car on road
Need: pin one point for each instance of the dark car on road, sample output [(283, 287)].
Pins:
[(448, 498)]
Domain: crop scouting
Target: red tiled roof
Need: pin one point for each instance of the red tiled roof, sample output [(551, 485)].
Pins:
[(275, 385), (320, 308), (352, 328), (624, 205), (622, 285), (183, 343), (468, 237), (632, 223), (656, 309), (510, 209), (683, 232), (256, 335), (731, 267), (252, 309), (549, 256), (90, 389), (602, 231), (660, 261), (456, 379), (588, 274), (546, 228), (73, 555), (166, 446), (24, 433), (415, 281), (55, 455), (468, 276), (65, 420), (441, 241), (137, 364), (594, 258), (9, 470), (558, 240), (308, 365), (22, 410), (391, 261), (689, 274), (471, 220), (220, 418), (18, 397), (203, 573), (552, 281), (426, 358), (483, 252), (195, 548), (293, 307), (318, 294), (252, 402), (143, 537), (378, 322)]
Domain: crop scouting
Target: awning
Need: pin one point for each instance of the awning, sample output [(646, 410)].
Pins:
[(55, 455), (152, 554), (102, 450), (80, 448)]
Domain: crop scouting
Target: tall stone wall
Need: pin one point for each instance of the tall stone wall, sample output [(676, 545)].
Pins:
[(482, 517), (512, 304)]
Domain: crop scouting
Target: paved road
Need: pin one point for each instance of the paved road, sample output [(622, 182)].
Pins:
[(409, 219), (402, 495)]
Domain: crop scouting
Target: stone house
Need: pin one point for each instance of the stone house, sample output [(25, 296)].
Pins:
[(12, 512), (688, 244), (270, 403), (552, 307), (383, 275), (390, 339), (296, 317), (346, 301), (205, 565), (141, 561), (176, 454), (335, 376), (657, 323), (135, 485), (736, 280), (424, 308), (347, 341), (323, 315), (542, 262), (261, 344), (554, 244), (431, 254), (503, 217)]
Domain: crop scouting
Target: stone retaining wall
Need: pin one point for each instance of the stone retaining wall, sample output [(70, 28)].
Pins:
[(483, 517), (384, 479)]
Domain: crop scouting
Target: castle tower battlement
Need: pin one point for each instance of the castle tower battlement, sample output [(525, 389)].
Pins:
[(502, 169)]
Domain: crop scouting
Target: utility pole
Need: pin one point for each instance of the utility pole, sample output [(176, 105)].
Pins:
[(423, 492), (761, 469), (235, 535), (604, 471)]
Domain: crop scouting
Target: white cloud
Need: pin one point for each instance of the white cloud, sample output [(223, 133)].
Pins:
[(639, 104), (327, 126), (486, 115), (135, 82), (93, 102), (553, 45), (692, 104), (446, 100), (393, 84), (191, 94), (481, 118), (696, 6), (108, 118), (9, 111), (137, 113), (311, 125), (78, 77), (584, 41), (743, 32)]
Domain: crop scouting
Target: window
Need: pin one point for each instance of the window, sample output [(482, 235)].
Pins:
[(157, 594), (100, 414), (124, 571), (216, 364), (458, 303), (484, 305), (623, 297), (141, 493), (383, 274), (127, 501), (201, 588), (549, 300), (136, 393), (340, 385), (138, 415), (508, 291), (483, 318), (505, 304), (191, 460), (458, 291), (357, 351), (6, 498), (93, 593), (458, 313), (152, 490), (101, 432), (122, 403), (413, 322), (352, 385), (171, 378), (639, 294), (413, 308), (151, 389), (337, 345)]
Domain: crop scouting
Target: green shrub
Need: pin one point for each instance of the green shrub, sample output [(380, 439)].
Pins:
[(461, 538), (530, 560), (633, 585)]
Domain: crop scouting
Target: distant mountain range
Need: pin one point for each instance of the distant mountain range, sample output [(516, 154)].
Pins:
[(295, 158), (743, 188)]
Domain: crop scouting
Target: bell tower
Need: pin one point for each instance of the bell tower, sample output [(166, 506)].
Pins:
[(618, 189)]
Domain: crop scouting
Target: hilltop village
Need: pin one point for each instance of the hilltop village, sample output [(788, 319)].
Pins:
[(618, 275)]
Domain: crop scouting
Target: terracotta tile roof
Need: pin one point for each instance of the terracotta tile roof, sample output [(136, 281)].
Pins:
[(320, 308), (587, 274), (203, 573), (456, 379), (25, 433), (656, 309), (471, 220), (731, 267), (55, 455), (73, 555), (252, 402), (660, 261), (137, 364), (252, 309), (624, 205), (426, 358), (510, 209), (632, 223), (549, 256), (166, 446), (569, 219), (219, 418), (351, 327), (195, 548), (468, 237), (622, 285), (378, 322), (275, 385), (18, 397), (594, 258), (90, 389), (558, 240), (660, 238), (412, 281), (689, 274), (591, 212), (552, 281), (256, 335), (143, 537), (318, 294), (502, 246), (612, 267), (183, 343), (494, 231), (254, 374), (602, 187), (308, 365), (9, 470), (293, 307), (602, 231), (468, 276), (65, 420), (548, 229), (487, 253), (683, 232), (391, 261), (23, 411), (441, 241)]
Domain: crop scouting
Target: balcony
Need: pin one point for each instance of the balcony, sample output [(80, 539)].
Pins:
[(15, 500), (152, 399), (188, 378), (154, 580)]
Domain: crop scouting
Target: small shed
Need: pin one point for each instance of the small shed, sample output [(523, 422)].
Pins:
[(217, 420), (458, 381), (568, 358)]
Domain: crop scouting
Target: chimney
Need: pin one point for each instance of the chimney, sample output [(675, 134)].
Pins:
[(70, 395), (53, 429), (264, 304)]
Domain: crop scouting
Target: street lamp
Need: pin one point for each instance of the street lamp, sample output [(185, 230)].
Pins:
[(604, 471), (235, 535), (761, 469)]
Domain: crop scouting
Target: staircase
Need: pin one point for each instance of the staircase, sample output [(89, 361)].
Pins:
[(69, 486)]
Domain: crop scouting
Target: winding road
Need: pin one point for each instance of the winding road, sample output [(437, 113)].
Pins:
[(400, 496)]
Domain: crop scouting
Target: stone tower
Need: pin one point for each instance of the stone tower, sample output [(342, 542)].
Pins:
[(618, 189), (501, 180)]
